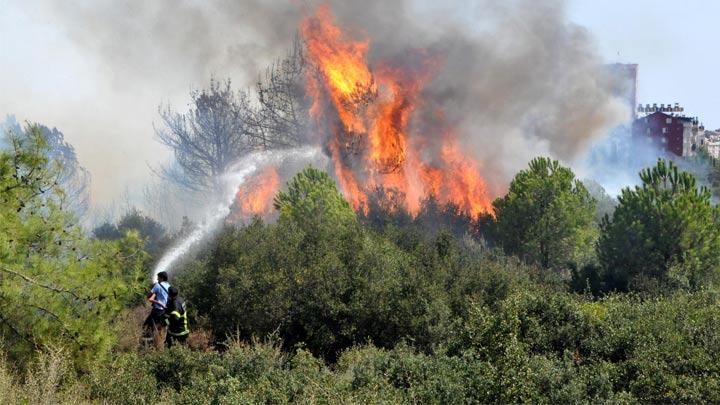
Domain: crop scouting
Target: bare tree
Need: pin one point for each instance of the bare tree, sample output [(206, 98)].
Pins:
[(222, 125), (282, 117), (209, 137)]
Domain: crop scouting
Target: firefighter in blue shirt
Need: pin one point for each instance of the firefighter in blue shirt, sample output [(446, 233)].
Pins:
[(158, 297)]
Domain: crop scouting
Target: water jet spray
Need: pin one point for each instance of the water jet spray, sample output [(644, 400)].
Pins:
[(238, 174)]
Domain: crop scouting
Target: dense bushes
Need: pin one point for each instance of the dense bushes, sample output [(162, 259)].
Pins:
[(322, 279), (364, 288), (392, 313), (536, 345)]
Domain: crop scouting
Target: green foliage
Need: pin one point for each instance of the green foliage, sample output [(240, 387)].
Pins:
[(546, 216), (357, 315), (329, 293), (531, 346), (57, 286), (561, 347), (312, 199), (152, 232), (664, 231), (319, 278)]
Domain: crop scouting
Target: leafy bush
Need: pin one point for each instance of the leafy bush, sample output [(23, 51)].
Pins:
[(152, 232)]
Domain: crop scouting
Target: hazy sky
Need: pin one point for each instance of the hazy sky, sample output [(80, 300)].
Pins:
[(50, 71), (674, 42)]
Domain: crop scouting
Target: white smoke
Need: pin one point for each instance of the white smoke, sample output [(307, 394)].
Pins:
[(238, 174)]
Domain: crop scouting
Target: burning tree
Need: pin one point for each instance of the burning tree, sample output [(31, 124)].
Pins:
[(282, 119), (255, 197), (368, 119), (365, 115)]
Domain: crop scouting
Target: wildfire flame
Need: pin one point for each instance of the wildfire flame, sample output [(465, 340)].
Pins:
[(365, 117), (367, 114), (255, 196)]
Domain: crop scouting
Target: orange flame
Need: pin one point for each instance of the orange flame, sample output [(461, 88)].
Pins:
[(255, 197), (367, 114)]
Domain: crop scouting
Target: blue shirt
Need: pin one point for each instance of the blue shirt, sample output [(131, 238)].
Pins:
[(161, 294)]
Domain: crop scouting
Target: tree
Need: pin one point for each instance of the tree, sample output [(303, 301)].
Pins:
[(208, 138), (546, 217), (73, 179), (56, 285), (312, 199), (282, 117), (666, 229), (605, 204), (152, 232)]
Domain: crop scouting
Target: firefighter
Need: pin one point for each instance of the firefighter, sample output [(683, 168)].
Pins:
[(176, 319), (158, 297)]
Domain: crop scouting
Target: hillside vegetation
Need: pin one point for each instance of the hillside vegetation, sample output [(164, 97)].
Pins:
[(543, 301)]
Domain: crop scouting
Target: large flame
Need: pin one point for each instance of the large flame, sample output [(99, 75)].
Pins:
[(367, 114), (255, 197)]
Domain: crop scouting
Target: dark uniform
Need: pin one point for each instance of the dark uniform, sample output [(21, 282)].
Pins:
[(176, 320)]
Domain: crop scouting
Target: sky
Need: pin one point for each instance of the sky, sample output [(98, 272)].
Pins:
[(673, 42), (50, 72)]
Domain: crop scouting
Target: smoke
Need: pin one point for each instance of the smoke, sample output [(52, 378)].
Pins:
[(527, 82), (517, 78), (616, 160), (99, 69)]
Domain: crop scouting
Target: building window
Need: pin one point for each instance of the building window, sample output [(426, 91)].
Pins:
[(664, 130), (664, 140), (668, 120)]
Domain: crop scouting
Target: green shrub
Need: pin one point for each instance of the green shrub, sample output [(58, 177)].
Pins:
[(127, 379)]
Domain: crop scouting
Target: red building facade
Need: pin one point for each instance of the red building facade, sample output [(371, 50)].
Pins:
[(675, 134)]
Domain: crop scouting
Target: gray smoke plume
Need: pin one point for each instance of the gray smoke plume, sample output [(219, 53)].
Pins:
[(516, 77)]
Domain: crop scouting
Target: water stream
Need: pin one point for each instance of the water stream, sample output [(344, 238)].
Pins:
[(233, 179)]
